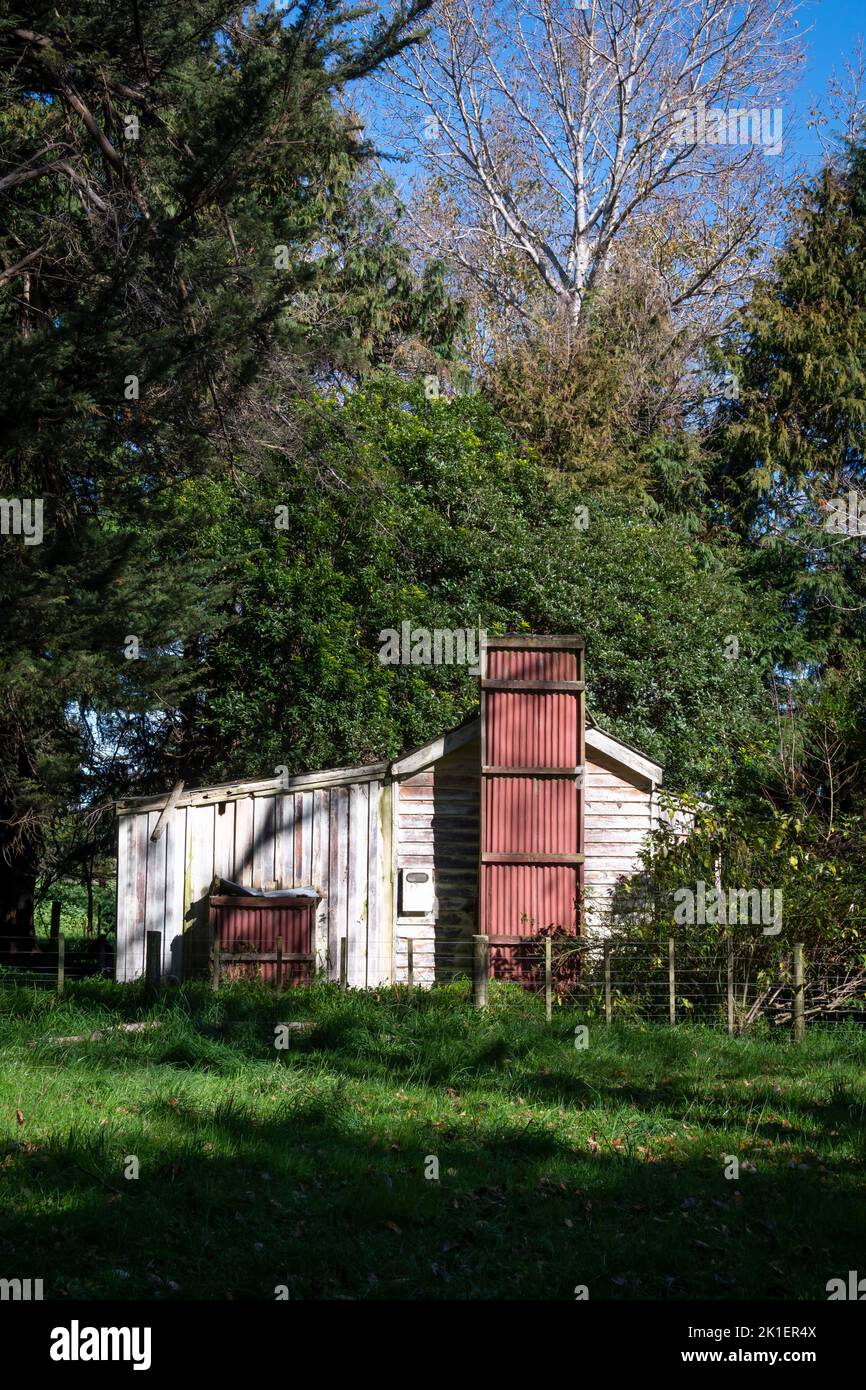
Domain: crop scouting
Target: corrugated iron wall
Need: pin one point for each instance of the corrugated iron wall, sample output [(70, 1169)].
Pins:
[(255, 925), (532, 753)]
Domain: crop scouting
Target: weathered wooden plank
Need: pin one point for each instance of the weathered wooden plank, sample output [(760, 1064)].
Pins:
[(618, 863), (264, 836), (284, 834), (244, 865), (319, 874), (303, 839), (338, 898), (224, 840), (154, 911), (445, 836), (175, 851), (125, 893), (434, 819), (377, 970), (456, 801), (614, 790), (199, 875), (359, 810), (135, 944), (624, 834)]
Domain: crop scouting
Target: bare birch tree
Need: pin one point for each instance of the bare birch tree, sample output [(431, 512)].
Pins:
[(546, 136)]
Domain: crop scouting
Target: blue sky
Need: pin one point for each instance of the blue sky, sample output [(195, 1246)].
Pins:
[(833, 27)]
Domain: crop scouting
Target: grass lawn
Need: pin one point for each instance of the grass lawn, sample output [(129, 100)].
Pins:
[(306, 1167)]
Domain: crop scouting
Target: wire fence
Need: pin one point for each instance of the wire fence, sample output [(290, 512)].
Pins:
[(51, 962), (674, 980)]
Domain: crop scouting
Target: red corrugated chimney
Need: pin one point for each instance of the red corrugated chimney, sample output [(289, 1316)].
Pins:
[(532, 756)]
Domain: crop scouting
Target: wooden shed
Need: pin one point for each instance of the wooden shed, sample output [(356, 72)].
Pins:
[(554, 813)]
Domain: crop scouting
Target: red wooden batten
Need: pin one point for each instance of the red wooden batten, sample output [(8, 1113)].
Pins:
[(533, 718)]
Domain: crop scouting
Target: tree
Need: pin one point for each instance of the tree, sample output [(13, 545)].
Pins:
[(175, 183), (553, 135), (791, 474), (421, 510), (600, 402)]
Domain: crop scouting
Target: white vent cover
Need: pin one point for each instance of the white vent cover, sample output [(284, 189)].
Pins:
[(416, 890)]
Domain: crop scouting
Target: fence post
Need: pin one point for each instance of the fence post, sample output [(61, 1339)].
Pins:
[(799, 1011), (480, 970), (410, 963), (61, 962), (548, 979), (730, 988), (216, 961), (279, 976), (672, 982), (152, 963), (344, 963), (608, 994), (55, 919)]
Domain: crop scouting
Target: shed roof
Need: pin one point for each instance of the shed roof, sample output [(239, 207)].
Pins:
[(603, 745)]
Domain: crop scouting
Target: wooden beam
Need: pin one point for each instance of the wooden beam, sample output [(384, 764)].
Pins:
[(495, 771), (536, 644), (540, 687), (495, 857), (171, 802)]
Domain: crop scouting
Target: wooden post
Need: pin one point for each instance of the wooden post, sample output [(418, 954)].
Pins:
[(799, 1011), (101, 953), (608, 994), (55, 919), (216, 961), (672, 982), (61, 962), (730, 988), (410, 963), (279, 978), (344, 962), (480, 970), (548, 979), (152, 961)]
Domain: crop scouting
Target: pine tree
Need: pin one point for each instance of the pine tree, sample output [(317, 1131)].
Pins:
[(174, 186)]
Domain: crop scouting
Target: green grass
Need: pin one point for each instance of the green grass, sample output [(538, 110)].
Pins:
[(305, 1167)]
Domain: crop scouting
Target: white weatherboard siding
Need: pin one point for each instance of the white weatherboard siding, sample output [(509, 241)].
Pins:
[(619, 818), (335, 838)]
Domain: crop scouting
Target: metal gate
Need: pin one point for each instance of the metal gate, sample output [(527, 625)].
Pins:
[(532, 759)]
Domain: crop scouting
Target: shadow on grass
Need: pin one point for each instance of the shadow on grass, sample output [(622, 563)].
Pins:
[(332, 1201), (227, 1206)]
